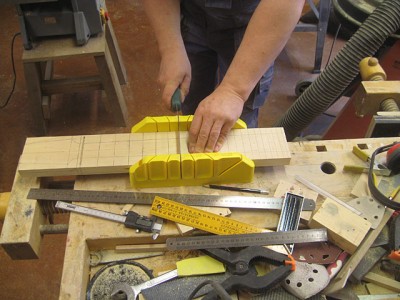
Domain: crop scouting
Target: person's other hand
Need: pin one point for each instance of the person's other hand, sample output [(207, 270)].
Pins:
[(175, 71), (213, 120)]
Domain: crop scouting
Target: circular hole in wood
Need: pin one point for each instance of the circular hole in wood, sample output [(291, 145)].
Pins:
[(328, 167)]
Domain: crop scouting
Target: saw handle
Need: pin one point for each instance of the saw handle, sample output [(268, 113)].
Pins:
[(176, 104)]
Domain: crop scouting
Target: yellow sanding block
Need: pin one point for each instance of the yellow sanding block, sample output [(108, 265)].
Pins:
[(201, 265)]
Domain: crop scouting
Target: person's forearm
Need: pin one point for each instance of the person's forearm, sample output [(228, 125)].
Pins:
[(266, 35), (164, 17)]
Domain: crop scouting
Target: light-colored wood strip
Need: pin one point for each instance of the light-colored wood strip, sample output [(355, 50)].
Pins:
[(141, 248), (382, 281), (115, 153), (76, 262)]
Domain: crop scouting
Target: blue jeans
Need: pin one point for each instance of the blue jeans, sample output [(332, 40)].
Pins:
[(212, 31)]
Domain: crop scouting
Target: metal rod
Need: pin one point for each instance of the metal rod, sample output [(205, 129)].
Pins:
[(53, 229)]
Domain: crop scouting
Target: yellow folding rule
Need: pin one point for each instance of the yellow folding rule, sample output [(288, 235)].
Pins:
[(198, 218)]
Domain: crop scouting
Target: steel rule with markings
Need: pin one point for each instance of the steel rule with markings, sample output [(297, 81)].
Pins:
[(197, 218), (250, 202), (245, 240)]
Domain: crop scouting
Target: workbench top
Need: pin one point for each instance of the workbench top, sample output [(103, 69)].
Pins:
[(320, 162)]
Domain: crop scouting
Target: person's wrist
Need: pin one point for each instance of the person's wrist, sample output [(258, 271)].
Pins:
[(172, 49), (235, 91)]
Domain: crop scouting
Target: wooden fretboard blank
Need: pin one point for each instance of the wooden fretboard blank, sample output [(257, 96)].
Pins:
[(115, 153)]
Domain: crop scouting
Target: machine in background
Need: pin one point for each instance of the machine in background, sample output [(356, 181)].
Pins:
[(47, 18)]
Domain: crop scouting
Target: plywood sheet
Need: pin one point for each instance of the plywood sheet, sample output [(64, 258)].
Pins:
[(115, 153)]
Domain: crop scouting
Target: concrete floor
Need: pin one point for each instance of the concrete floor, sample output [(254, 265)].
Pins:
[(85, 113)]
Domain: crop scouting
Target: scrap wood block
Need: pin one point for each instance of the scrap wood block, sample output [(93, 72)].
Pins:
[(382, 281), (141, 248), (345, 228), (20, 235), (115, 153)]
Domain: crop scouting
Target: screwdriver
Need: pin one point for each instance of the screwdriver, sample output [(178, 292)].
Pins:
[(176, 106), (237, 189)]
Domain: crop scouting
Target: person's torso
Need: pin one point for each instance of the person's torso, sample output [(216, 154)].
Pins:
[(216, 15)]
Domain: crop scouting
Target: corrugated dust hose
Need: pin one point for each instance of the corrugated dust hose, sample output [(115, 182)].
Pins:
[(331, 83)]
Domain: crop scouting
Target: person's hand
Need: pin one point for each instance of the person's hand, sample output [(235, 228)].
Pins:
[(213, 119), (175, 71)]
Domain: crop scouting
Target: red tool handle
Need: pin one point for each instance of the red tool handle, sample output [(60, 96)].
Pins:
[(393, 158), (335, 267)]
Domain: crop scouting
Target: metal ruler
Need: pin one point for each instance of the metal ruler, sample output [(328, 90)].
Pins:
[(147, 198), (245, 240), (197, 218)]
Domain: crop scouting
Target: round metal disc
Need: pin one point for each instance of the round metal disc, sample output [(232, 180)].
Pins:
[(102, 284)]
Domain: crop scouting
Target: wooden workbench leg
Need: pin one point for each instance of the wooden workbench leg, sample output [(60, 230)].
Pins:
[(20, 236), (112, 87), (75, 276), (46, 99), (33, 77), (112, 44)]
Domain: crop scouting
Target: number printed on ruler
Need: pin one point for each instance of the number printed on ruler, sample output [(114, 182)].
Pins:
[(198, 218)]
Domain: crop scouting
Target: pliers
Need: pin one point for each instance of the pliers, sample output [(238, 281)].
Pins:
[(241, 265), (378, 169)]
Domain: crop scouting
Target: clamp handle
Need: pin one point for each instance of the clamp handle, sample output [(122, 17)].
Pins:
[(291, 262)]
